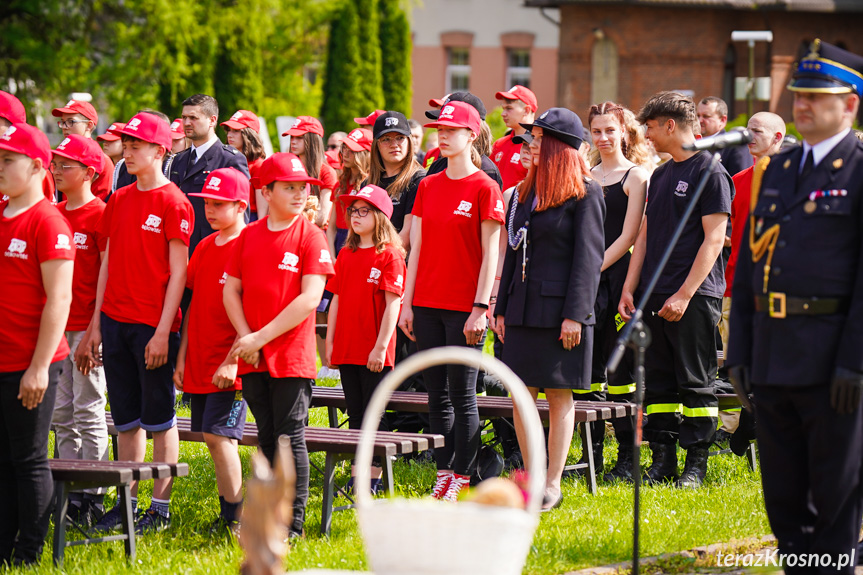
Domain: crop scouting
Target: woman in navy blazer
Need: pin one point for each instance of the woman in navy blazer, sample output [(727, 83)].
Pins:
[(545, 306)]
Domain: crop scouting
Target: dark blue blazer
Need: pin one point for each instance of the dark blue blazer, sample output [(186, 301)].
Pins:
[(819, 253)]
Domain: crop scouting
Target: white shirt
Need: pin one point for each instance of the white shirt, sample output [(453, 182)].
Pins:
[(821, 149), (201, 150)]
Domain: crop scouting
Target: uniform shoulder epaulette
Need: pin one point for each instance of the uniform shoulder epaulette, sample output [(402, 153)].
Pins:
[(230, 148)]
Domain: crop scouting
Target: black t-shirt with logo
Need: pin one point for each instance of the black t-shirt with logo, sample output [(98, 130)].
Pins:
[(404, 204), (668, 195)]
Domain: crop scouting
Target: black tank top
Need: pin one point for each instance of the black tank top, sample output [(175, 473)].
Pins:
[(616, 201)]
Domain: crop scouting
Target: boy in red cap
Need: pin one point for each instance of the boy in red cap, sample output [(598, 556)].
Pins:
[(206, 372), (307, 142), (79, 410), (110, 142), (146, 226), (519, 107), (243, 130), (36, 266), (78, 117), (12, 112), (178, 137), (275, 278)]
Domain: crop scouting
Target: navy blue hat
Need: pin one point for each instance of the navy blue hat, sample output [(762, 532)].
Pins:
[(391, 122), (563, 124), (466, 97), (828, 69), (525, 138)]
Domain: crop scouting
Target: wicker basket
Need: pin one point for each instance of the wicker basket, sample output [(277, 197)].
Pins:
[(427, 537)]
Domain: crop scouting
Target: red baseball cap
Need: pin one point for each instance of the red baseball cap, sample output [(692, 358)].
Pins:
[(437, 103), (86, 109), (284, 167), (177, 132), (149, 128), (28, 140), (519, 93), (333, 159), (111, 134), (82, 150), (358, 140), (12, 109), (370, 119), (374, 195), (305, 124), (243, 119), (228, 184), (458, 115)]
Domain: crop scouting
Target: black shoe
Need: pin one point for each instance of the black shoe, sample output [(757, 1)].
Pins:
[(695, 468), (622, 470), (513, 462), (664, 466), (151, 522), (110, 521), (221, 527), (721, 436)]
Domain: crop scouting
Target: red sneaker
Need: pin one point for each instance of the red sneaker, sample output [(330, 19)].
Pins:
[(456, 485), (442, 484)]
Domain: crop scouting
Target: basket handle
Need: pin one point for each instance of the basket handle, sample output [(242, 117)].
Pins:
[(453, 355)]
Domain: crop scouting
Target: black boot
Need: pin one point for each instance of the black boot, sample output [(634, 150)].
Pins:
[(664, 466), (622, 470), (695, 468)]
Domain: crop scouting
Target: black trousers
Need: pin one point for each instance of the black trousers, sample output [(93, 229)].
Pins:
[(680, 368), (26, 487), (281, 407), (811, 472), (452, 390)]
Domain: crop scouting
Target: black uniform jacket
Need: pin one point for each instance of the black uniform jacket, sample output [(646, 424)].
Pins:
[(565, 248), (818, 253), (191, 177)]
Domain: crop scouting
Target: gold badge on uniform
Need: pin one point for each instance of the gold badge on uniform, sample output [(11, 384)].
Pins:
[(837, 163), (810, 207), (786, 164)]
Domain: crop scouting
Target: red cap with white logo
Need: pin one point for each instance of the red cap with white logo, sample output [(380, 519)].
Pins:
[(111, 134), (243, 119), (177, 132), (149, 128), (28, 140), (374, 195), (86, 109), (518, 92), (228, 184), (305, 124), (370, 119), (284, 167), (12, 109), (458, 115), (82, 150), (358, 140)]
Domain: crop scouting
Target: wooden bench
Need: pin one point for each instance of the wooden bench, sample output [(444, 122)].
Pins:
[(333, 398), (336, 444), (73, 474)]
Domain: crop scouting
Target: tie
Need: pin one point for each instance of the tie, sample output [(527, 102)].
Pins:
[(195, 156), (808, 165)]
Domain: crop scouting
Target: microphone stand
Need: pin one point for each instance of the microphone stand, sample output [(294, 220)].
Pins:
[(636, 336)]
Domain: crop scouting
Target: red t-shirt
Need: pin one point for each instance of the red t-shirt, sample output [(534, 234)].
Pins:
[(270, 266), (139, 226), (211, 333), (254, 168), (506, 155), (38, 235), (739, 213), (431, 157), (49, 188), (452, 212), (341, 208), (362, 279), (102, 186), (88, 243), (328, 177)]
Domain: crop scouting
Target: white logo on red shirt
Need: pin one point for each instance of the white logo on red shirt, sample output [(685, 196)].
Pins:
[(16, 249), (133, 124), (498, 156), (499, 206), (289, 262), (463, 209), (62, 242), (80, 241), (8, 133), (152, 224), (224, 278), (374, 276), (681, 189), (391, 122), (400, 280), (325, 257), (184, 226), (516, 158), (447, 111)]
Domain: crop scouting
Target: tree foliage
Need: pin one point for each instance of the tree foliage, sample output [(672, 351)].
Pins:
[(395, 40), (343, 81)]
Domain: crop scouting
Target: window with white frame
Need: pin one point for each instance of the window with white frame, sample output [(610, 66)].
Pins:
[(518, 67), (458, 70)]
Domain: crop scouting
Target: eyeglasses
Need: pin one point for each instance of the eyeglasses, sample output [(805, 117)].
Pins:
[(332, 147), (69, 123), (397, 140), (359, 212), (62, 167)]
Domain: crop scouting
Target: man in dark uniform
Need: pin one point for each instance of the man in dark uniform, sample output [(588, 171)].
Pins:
[(207, 153), (797, 318), (712, 119)]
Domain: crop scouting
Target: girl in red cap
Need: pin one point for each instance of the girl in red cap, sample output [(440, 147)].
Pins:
[(367, 290), (243, 132), (457, 219), (307, 143)]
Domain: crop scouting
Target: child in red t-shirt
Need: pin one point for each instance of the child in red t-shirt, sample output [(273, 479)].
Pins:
[(275, 278), (79, 411), (36, 267), (367, 289), (457, 219), (147, 226), (307, 143), (206, 372), (244, 133)]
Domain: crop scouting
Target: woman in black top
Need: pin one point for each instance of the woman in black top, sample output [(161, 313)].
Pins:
[(624, 185), (549, 280)]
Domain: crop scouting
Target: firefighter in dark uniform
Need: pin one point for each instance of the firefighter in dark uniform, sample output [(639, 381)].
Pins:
[(797, 318)]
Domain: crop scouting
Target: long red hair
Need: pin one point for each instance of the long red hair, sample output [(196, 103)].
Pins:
[(559, 175)]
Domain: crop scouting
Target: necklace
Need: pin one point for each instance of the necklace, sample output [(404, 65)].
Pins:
[(601, 171)]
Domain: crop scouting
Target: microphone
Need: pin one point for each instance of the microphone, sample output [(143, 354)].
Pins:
[(735, 137)]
